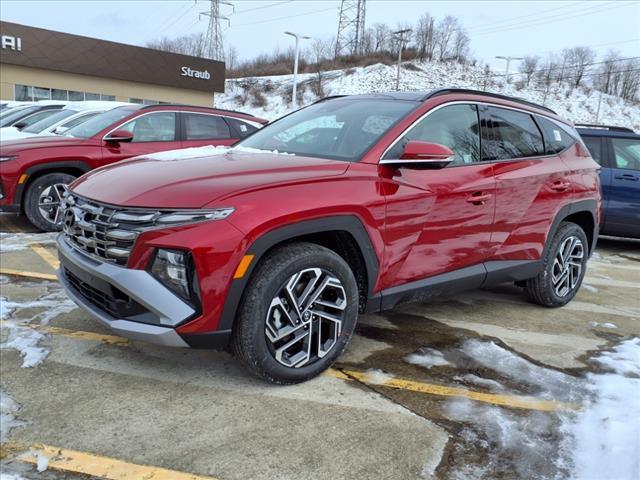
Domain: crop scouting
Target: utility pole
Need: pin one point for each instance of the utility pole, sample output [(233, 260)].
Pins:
[(598, 110), (298, 37), (508, 59), (213, 45), (401, 39)]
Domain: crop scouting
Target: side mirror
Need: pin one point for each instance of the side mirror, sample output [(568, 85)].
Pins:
[(20, 125), (119, 136), (420, 154)]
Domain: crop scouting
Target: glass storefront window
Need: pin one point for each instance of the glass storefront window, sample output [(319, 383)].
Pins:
[(108, 98), (76, 96), (23, 93), (92, 96), (40, 93), (57, 94), (135, 100)]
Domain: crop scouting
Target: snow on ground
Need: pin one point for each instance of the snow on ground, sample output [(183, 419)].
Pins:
[(577, 105), (599, 441), (17, 334), (11, 476), (11, 242), (375, 376), (427, 358), (603, 440), (8, 410)]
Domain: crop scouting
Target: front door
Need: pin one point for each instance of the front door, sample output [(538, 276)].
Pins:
[(623, 206), (152, 132), (438, 221)]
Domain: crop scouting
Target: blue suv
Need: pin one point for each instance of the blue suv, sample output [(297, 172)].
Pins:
[(617, 150)]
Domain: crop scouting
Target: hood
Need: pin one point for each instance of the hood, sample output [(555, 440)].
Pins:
[(196, 182), (39, 141)]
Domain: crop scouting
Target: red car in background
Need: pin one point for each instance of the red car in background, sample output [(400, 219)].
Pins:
[(34, 172)]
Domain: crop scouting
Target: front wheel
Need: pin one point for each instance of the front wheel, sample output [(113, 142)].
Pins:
[(43, 199), (565, 265), (297, 315)]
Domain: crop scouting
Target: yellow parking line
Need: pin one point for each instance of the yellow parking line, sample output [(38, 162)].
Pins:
[(65, 460), (45, 255), (513, 401), (82, 335), (22, 273)]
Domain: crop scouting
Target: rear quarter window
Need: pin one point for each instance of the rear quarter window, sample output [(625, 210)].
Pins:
[(556, 137)]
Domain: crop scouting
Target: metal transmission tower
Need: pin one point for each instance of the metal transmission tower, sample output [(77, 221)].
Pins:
[(350, 27), (213, 44)]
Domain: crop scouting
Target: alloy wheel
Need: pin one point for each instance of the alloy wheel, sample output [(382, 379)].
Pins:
[(49, 202), (304, 320), (567, 266)]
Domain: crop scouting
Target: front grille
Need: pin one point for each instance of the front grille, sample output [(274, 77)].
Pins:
[(112, 301), (103, 231)]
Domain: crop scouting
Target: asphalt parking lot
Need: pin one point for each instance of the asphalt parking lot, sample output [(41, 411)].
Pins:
[(485, 385)]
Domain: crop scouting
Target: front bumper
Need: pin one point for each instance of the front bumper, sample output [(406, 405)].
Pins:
[(109, 292)]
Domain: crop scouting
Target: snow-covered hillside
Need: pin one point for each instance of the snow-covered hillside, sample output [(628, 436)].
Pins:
[(273, 93)]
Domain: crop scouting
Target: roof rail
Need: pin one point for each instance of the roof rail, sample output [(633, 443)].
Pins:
[(195, 106), (612, 128), (444, 91)]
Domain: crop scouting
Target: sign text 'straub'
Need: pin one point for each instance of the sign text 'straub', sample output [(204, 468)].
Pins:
[(189, 72), (11, 43)]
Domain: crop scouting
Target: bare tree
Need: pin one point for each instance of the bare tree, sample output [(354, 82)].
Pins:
[(381, 37), (528, 67), (461, 43), (629, 79), (444, 34), (232, 57), (319, 54), (192, 44), (425, 36), (580, 58), (605, 80), (546, 74)]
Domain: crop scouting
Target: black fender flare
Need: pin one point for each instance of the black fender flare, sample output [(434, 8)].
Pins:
[(50, 167), (346, 223), (589, 206)]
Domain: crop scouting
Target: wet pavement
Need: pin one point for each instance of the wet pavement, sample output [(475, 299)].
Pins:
[(486, 385)]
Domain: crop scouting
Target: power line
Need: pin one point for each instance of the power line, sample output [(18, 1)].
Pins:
[(507, 20), (569, 67), (551, 19), (261, 7), (283, 18), (168, 20)]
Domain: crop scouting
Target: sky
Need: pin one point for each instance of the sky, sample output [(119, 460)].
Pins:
[(507, 27)]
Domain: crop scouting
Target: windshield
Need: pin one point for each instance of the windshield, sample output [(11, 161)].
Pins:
[(11, 117), (100, 122), (40, 125), (341, 129)]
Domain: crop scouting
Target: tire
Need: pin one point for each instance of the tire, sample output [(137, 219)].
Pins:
[(261, 319), (46, 186), (548, 288)]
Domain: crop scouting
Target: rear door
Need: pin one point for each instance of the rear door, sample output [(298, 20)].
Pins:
[(598, 148), (438, 221), (530, 180), (623, 209), (199, 129), (152, 132)]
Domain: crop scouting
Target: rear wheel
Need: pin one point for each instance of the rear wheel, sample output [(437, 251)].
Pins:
[(565, 265), (297, 315), (43, 199)]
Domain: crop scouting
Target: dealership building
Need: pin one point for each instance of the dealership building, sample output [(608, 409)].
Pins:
[(38, 64)]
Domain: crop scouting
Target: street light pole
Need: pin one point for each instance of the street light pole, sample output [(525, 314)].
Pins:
[(401, 40), (298, 37), (508, 59)]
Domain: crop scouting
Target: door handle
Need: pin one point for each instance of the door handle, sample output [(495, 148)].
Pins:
[(627, 176), (479, 198), (560, 186)]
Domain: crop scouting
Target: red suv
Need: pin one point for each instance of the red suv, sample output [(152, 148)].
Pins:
[(352, 204), (35, 171)]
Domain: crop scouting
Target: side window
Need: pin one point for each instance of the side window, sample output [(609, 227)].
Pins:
[(455, 126), (626, 153), (243, 128), (204, 127), (153, 127), (556, 138), (511, 135), (36, 117), (594, 145)]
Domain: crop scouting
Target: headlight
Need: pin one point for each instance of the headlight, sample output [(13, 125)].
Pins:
[(6, 158), (174, 270)]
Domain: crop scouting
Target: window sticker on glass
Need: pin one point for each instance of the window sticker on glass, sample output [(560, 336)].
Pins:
[(557, 136), (243, 128)]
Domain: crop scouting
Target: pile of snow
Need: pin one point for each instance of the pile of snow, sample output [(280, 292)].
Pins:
[(578, 105), (427, 358)]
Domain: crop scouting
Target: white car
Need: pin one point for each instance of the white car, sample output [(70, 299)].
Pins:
[(71, 115)]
